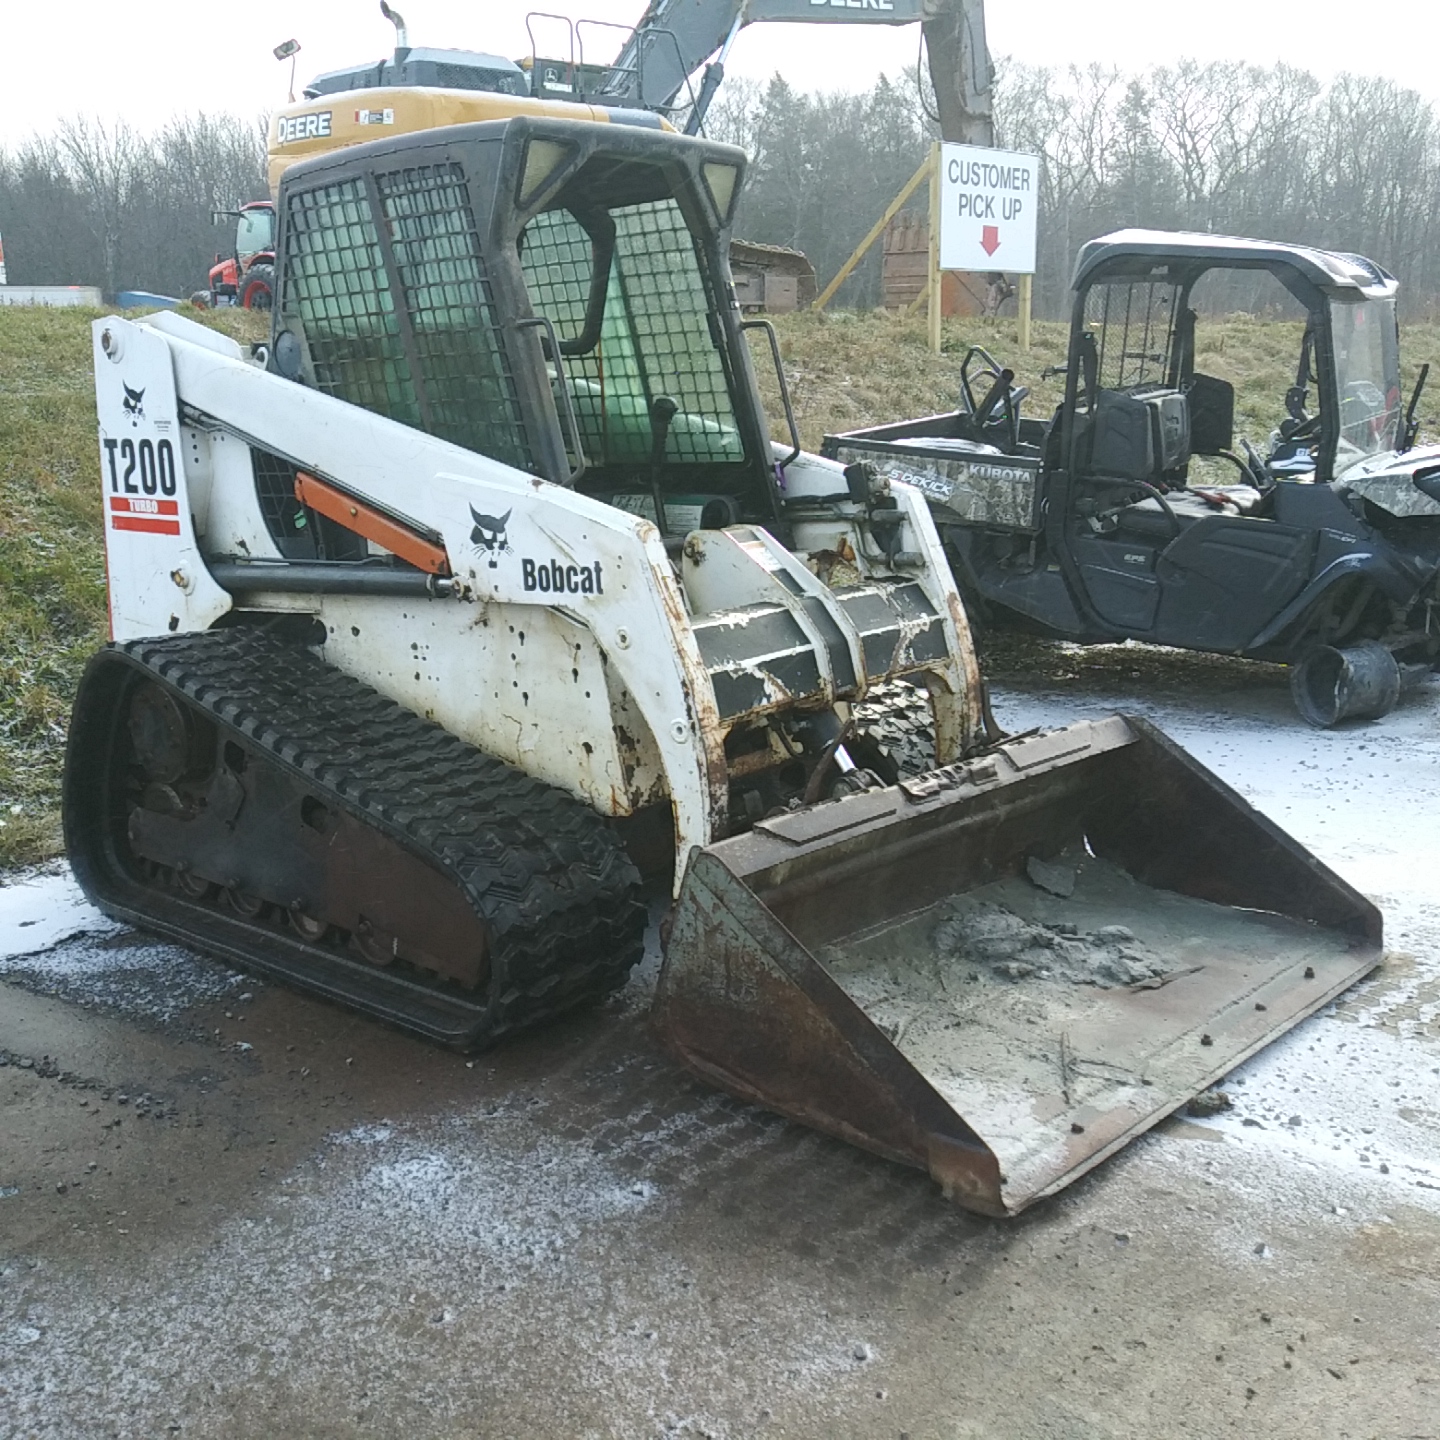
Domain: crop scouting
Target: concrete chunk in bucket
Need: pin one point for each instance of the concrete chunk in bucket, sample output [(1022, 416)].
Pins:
[(1005, 970)]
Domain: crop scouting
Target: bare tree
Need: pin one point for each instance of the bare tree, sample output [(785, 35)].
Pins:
[(1351, 165), (105, 163)]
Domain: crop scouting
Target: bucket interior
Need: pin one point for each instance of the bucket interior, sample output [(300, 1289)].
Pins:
[(1056, 956), (1033, 1008)]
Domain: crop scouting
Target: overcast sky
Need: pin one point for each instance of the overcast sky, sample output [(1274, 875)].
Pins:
[(145, 60)]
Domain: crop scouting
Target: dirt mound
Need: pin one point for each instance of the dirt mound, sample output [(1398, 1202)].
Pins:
[(991, 937)]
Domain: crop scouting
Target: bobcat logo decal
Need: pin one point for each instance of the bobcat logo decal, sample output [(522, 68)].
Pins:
[(132, 403), (489, 535)]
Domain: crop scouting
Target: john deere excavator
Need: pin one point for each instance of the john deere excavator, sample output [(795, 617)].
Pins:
[(483, 587), (649, 81)]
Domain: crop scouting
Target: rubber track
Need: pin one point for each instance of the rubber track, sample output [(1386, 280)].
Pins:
[(560, 895), (896, 716)]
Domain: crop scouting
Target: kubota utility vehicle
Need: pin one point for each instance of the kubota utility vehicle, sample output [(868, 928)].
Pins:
[(1138, 512)]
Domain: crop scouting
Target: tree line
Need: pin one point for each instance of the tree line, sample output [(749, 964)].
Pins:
[(98, 204), (1224, 148), (1229, 148)]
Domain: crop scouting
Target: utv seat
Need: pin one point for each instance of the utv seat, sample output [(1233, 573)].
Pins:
[(1147, 520)]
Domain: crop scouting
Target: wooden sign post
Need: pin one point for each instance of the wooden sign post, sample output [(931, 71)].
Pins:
[(934, 304)]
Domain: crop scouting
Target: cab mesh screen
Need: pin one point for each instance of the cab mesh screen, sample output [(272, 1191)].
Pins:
[(435, 359), (298, 532), (655, 339)]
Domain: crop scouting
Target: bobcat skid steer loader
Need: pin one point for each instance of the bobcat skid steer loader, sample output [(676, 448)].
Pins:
[(488, 573)]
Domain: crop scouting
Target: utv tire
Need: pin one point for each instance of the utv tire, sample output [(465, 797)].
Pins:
[(256, 290)]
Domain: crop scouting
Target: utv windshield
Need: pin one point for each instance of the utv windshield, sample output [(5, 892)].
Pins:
[(1367, 378), (642, 332)]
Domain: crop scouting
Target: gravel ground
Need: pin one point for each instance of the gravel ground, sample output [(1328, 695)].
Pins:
[(227, 1210)]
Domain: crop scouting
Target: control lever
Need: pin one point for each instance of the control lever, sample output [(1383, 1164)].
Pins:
[(662, 411), (1264, 480), (1411, 431)]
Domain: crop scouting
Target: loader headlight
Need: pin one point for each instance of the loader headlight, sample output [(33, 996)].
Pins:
[(288, 356), (720, 182), (542, 159)]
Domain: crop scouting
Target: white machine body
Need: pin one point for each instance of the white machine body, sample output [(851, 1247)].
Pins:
[(565, 640)]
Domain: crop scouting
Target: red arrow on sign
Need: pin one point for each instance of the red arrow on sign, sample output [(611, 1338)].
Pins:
[(990, 239)]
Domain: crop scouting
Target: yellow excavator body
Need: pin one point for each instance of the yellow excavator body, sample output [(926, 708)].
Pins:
[(352, 117)]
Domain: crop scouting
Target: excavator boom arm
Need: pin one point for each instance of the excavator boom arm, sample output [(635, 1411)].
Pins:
[(675, 37)]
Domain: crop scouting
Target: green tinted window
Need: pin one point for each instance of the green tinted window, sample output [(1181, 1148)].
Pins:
[(655, 338), (426, 352), (335, 286)]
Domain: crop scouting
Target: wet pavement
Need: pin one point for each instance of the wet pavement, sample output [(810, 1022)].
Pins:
[(229, 1210)]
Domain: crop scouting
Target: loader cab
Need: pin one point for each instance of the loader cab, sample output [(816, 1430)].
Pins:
[(552, 294), (623, 262), (1179, 513)]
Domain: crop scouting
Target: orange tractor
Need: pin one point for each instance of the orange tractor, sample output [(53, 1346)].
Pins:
[(246, 277)]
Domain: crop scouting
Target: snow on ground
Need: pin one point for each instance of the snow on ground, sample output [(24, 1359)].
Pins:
[(42, 907), (54, 942), (474, 1230), (1352, 1090)]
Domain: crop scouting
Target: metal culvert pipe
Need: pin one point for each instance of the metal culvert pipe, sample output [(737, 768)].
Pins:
[(1359, 682)]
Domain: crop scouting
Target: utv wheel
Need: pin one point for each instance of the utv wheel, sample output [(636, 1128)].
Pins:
[(257, 289)]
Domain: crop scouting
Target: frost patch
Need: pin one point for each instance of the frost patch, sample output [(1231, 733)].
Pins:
[(127, 972)]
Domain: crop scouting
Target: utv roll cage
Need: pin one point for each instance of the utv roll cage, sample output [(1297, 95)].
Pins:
[(1178, 260)]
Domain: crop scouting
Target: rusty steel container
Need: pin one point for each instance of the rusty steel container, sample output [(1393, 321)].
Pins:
[(1007, 969)]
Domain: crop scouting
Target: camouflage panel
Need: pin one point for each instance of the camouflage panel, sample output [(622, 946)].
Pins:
[(996, 490), (1396, 493)]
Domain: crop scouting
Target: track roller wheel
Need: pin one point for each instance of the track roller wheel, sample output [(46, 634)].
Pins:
[(252, 907), (308, 927), (197, 887), (375, 946)]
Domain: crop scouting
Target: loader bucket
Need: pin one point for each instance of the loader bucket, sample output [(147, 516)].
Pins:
[(1003, 971)]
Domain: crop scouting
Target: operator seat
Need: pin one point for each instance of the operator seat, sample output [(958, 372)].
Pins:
[(1147, 520)]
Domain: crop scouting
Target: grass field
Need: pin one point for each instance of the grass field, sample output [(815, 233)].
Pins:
[(845, 370), (52, 568)]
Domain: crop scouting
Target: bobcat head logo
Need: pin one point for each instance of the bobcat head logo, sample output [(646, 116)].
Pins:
[(132, 403), (489, 535)]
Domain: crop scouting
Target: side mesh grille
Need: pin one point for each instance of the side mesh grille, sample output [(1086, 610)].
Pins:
[(298, 532)]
